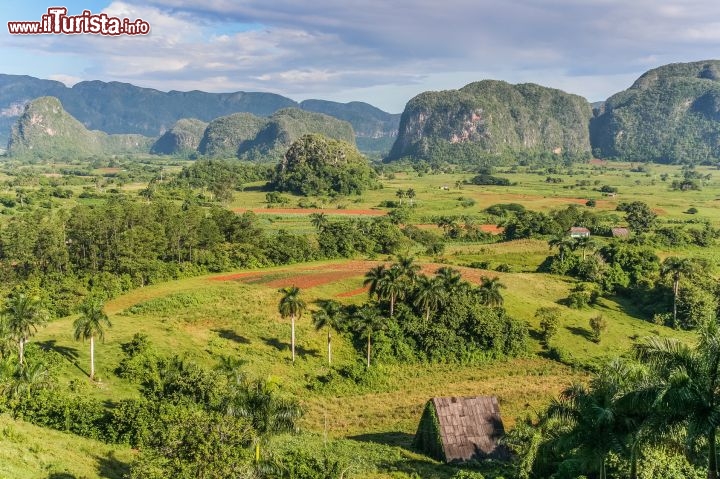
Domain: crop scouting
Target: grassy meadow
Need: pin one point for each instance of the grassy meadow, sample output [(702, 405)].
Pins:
[(235, 314)]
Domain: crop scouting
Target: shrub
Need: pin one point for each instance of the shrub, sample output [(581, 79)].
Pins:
[(597, 325)]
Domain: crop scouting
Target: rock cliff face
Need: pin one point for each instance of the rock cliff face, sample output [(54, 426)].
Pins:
[(45, 130), (494, 116), (670, 114)]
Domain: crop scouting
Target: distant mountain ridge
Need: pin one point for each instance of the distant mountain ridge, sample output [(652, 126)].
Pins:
[(46, 131), (121, 108)]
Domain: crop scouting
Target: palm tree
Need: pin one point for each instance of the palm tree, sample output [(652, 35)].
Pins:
[(373, 278), (267, 412), (91, 324), (391, 286), (291, 306), (594, 420), (429, 294), (410, 193), (330, 316), (319, 221), (676, 268), (400, 194), (25, 314), (369, 321), (489, 291), (450, 278), (584, 243), (684, 385), (407, 267), (563, 243)]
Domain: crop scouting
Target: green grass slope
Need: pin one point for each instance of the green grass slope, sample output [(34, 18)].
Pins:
[(31, 452)]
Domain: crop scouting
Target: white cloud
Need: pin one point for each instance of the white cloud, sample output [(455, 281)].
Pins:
[(390, 50)]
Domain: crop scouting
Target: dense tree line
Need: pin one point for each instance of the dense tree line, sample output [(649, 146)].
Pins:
[(122, 243), (414, 317)]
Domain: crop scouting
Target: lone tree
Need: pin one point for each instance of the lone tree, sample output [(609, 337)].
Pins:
[(291, 306), (676, 268), (369, 321), (25, 313), (639, 216), (490, 293), (549, 320), (91, 324), (330, 316)]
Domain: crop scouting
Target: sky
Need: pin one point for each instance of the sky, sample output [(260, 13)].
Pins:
[(382, 52)]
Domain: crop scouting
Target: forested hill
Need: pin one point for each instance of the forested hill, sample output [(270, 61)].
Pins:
[(124, 108), (670, 114), (493, 116), (254, 138), (46, 130)]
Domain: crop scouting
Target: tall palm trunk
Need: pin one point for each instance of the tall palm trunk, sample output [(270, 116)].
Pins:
[(329, 348), (392, 304), (712, 455), (292, 337), (368, 351), (92, 357), (21, 350), (676, 288)]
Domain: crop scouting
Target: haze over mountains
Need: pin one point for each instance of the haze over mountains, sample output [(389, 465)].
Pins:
[(670, 114)]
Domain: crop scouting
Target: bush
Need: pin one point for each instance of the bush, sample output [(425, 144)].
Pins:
[(597, 325)]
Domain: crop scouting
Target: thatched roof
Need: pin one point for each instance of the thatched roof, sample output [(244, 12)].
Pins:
[(468, 427), (620, 232)]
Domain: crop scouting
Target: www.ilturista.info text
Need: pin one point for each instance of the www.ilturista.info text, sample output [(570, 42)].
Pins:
[(57, 21)]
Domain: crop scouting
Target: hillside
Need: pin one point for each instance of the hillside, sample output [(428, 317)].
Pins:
[(46, 130), (152, 112), (375, 130), (492, 116), (250, 137), (32, 452), (670, 114), (183, 137)]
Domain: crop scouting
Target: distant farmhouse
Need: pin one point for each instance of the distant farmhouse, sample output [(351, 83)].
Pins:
[(579, 232), (459, 429)]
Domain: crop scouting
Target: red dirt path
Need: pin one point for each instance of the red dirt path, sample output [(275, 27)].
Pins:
[(307, 211)]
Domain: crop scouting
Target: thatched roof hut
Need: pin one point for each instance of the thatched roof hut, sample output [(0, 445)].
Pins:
[(458, 429)]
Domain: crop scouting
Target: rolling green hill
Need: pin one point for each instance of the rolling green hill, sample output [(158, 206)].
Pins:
[(253, 138), (492, 116), (670, 114), (183, 137), (45, 130)]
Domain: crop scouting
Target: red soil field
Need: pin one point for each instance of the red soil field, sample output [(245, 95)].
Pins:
[(324, 274), (307, 211)]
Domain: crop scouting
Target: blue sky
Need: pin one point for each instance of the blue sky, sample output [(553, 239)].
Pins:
[(380, 51)]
